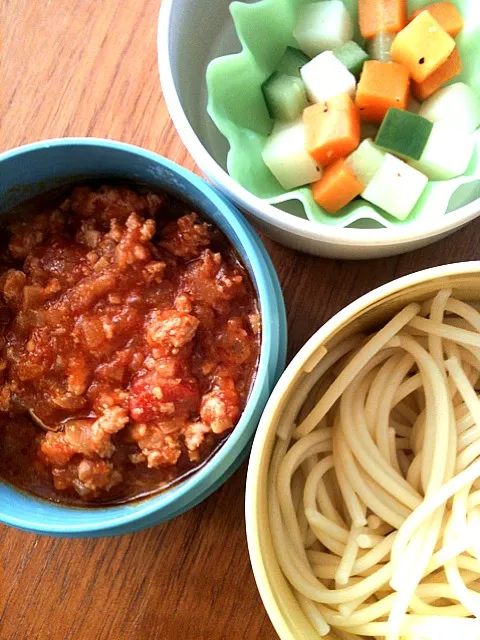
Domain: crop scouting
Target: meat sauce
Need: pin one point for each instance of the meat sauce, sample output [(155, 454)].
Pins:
[(129, 340)]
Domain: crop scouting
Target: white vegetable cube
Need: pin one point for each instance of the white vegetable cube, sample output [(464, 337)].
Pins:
[(326, 77), (396, 187), (366, 161), (323, 25), (447, 153), (286, 157), (457, 104)]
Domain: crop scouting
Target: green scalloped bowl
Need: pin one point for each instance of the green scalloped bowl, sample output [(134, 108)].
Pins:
[(236, 106)]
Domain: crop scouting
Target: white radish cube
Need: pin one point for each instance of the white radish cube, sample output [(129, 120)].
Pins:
[(365, 161), (447, 153), (323, 25), (396, 187), (326, 77), (457, 104), (286, 157)]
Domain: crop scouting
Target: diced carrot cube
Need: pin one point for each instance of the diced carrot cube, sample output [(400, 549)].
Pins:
[(337, 187), (332, 129), (449, 69), (381, 15), (382, 85), (422, 47), (446, 14)]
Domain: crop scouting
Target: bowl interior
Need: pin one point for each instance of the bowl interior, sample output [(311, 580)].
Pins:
[(237, 107), (35, 169), (189, 59), (365, 314)]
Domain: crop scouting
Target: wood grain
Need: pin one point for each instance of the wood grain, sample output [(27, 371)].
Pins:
[(88, 67)]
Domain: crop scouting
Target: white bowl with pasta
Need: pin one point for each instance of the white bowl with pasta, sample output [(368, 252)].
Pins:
[(363, 489)]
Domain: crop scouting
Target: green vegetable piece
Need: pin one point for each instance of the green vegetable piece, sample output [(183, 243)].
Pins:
[(285, 96), (379, 46), (404, 134), (352, 56), (292, 61)]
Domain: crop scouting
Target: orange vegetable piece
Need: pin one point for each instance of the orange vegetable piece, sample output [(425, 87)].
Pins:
[(337, 187), (381, 15), (332, 129), (382, 85), (449, 69), (446, 14), (422, 47)]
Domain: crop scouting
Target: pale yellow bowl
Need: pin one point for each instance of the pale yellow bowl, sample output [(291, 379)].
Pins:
[(365, 314)]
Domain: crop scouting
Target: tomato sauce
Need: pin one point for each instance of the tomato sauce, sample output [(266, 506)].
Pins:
[(129, 339)]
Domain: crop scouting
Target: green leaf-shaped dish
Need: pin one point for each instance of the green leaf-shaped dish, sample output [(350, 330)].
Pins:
[(236, 105)]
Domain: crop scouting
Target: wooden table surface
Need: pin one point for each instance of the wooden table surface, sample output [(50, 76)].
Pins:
[(89, 68)]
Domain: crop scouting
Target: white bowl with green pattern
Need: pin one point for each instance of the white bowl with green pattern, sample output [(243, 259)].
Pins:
[(217, 108)]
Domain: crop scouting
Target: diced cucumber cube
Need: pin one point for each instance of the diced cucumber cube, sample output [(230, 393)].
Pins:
[(286, 157), (352, 56), (447, 154), (396, 187), (366, 161), (323, 26), (292, 61), (379, 46), (458, 104), (326, 77), (404, 134), (285, 96)]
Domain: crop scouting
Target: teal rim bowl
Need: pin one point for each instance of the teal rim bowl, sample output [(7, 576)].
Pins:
[(31, 170)]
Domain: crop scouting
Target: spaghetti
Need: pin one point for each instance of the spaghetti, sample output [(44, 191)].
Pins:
[(375, 480)]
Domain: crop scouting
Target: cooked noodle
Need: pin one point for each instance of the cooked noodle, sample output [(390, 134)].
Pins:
[(374, 481)]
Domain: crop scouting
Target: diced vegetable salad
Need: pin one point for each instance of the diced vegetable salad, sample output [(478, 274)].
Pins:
[(331, 92)]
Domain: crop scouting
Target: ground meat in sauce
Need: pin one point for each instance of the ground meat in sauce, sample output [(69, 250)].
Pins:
[(129, 338)]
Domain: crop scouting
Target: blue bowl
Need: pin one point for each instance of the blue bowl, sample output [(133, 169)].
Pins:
[(36, 168)]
